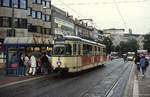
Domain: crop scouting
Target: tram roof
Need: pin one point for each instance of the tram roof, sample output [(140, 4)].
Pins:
[(85, 40), (25, 40)]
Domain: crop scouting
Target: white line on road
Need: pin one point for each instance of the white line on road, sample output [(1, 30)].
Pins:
[(135, 88), (12, 83)]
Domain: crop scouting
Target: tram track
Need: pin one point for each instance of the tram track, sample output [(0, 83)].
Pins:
[(109, 74), (110, 91)]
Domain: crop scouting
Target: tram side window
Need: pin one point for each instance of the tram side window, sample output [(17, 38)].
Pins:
[(79, 49), (74, 49), (104, 51), (99, 51), (68, 49), (87, 49), (95, 50)]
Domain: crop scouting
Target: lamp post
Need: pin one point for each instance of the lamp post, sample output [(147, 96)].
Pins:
[(44, 7), (12, 21)]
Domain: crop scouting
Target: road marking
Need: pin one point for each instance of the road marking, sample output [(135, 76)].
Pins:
[(135, 87), (12, 83)]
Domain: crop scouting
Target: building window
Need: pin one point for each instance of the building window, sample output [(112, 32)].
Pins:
[(33, 14), (47, 31), (23, 4), (15, 3), (1, 21), (44, 3), (33, 1), (47, 18), (39, 29), (22, 23), (6, 2), (39, 15), (47, 4), (43, 17), (29, 11), (32, 28), (0, 2), (5, 22), (15, 23), (39, 1)]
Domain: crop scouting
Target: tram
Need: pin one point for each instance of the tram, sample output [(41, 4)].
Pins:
[(74, 54)]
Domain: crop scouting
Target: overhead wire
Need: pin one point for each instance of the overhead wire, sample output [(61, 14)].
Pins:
[(71, 9), (122, 18), (98, 3)]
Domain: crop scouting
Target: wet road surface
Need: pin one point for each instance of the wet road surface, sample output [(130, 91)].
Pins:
[(108, 81)]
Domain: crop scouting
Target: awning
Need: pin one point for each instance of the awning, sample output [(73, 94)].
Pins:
[(27, 40)]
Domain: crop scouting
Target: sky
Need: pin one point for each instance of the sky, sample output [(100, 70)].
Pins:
[(133, 14)]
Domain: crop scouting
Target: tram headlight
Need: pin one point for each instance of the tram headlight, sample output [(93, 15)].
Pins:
[(58, 63)]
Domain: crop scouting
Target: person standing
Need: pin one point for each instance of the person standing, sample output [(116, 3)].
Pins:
[(21, 65), (143, 65), (137, 62), (14, 63), (27, 64), (45, 63), (33, 65)]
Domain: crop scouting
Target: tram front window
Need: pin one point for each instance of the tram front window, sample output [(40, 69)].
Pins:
[(62, 50), (59, 50)]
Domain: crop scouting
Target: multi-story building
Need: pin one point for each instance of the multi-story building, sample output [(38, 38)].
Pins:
[(13, 20), (13, 15), (115, 34), (39, 17), (83, 30), (25, 18), (62, 23)]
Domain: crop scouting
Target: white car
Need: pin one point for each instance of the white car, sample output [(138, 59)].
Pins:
[(130, 58)]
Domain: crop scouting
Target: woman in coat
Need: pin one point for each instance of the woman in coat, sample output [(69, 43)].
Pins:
[(33, 65)]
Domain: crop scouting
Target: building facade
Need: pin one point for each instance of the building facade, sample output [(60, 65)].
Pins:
[(62, 23), (83, 30), (25, 18), (115, 34)]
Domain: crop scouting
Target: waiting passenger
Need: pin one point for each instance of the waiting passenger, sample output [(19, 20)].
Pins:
[(33, 65), (21, 65), (45, 63), (27, 64)]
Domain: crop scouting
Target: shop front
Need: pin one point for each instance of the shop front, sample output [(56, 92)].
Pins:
[(16, 46)]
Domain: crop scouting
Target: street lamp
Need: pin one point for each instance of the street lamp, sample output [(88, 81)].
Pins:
[(12, 21), (44, 7)]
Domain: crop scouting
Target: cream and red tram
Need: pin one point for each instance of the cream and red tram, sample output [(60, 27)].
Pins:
[(74, 54)]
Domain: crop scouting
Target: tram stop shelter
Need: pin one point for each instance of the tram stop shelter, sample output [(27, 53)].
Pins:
[(23, 45)]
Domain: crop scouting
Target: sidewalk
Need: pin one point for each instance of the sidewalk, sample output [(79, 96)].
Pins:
[(144, 84), (138, 86), (6, 80)]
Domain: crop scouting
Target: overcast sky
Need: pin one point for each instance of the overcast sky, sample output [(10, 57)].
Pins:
[(135, 13)]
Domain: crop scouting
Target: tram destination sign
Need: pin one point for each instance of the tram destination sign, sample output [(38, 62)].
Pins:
[(59, 42)]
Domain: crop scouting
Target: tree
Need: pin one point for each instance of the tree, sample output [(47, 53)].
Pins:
[(108, 42), (129, 46), (147, 42), (132, 45)]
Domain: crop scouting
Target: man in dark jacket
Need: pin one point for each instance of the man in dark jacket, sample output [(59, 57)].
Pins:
[(137, 62), (45, 63)]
